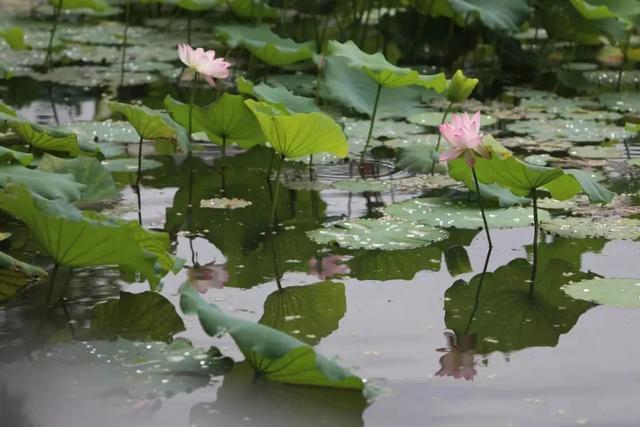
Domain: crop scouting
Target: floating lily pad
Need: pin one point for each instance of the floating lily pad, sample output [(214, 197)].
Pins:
[(386, 234), (361, 185), (597, 152), (616, 292), (582, 228), (557, 105), (130, 165), (572, 130), (434, 118), (224, 203), (460, 214), (94, 76), (623, 102), (107, 131)]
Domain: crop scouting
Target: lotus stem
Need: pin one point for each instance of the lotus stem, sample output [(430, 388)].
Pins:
[(373, 120), (124, 41), (52, 282), (277, 192), (534, 269), (56, 19), (444, 119), (481, 203), (624, 61), (191, 101), (139, 162), (311, 168)]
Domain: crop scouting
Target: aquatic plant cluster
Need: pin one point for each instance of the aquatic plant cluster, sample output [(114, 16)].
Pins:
[(425, 116)]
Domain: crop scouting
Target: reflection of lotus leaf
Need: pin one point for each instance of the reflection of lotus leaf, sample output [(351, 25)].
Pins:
[(507, 317), (309, 312)]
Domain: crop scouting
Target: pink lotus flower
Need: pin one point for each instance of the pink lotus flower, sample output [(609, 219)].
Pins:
[(463, 133), (204, 63)]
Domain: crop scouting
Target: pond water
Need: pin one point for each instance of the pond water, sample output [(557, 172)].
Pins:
[(449, 333)]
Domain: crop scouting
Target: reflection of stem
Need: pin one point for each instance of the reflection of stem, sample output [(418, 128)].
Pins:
[(444, 118), (277, 192), (373, 120), (480, 202), (56, 18), (63, 304), (224, 146), (476, 304), (137, 188), (191, 100), (534, 269), (124, 41), (624, 61), (54, 272), (54, 109), (311, 168)]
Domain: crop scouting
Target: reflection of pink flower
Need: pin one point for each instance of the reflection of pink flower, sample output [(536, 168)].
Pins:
[(329, 266), (458, 361), (208, 276), (204, 63), (463, 133)]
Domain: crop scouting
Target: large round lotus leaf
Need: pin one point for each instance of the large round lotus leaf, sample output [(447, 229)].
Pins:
[(434, 118), (597, 152), (361, 185), (608, 79), (91, 76), (615, 292), (582, 228), (599, 115), (440, 212), (407, 141), (572, 130), (557, 105), (623, 102), (387, 234), (107, 33), (107, 131)]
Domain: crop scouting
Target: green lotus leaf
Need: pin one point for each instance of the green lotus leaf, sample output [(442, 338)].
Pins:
[(439, 212), (344, 85), (361, 185), (97, 180), (418, 158), (252, 9), (608, 291), (279, 96), (497, 15), (153, 125), (51, 186), (8, 155), (383, 72), (109, 131), (575, 130), (148, 371), (14, 37), (603, 9), (273, 354), (15, 276), (265, 44), (610, 228), (226, 121), (197, 5), (310, 312), (564, 22), (82, 239), (460, 87), (42, 137), (521, 178), (385, 234), (146, 316), (301, 134), (95, 5)]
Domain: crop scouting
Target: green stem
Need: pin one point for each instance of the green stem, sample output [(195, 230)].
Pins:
[(139, 162), (536, 226), (624, 61), (52, 282), (481, 203), (444, 118), (124, 41), (56, 19), (224, 146), (277, 192), (191, 102), (373, 120)]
